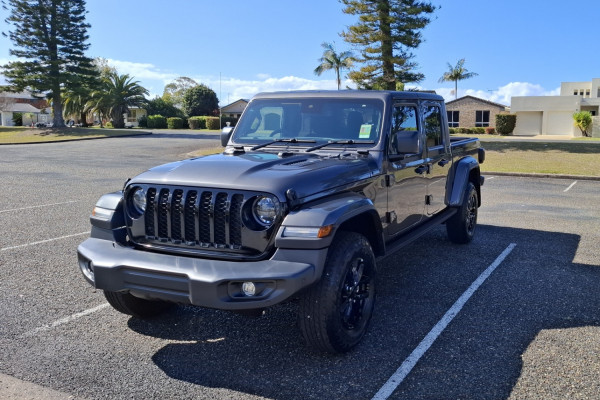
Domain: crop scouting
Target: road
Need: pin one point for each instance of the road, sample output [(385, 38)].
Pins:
[(530, 330)]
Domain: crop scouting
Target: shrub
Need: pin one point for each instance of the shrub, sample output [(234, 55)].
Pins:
[(583, 120), (478, 130), (157, 122), (505, 123), (17, 118), (212, 123), (197, 122), (184, 123), (232, 121), (490, 131), (452, 131), (174, 123), (143, 121)]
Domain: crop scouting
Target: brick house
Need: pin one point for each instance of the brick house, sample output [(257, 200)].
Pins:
[(33, 109), (472, 112)]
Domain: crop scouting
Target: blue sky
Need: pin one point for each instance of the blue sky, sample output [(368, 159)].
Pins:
[(239, 48)]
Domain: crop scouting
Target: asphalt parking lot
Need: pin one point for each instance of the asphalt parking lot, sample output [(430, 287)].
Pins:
[(530, 329)]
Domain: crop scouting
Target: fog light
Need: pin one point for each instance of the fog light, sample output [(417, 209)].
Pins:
[(248, 288), (87, 268)]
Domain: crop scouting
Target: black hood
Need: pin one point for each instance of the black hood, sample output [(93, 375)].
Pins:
[(306, 174)]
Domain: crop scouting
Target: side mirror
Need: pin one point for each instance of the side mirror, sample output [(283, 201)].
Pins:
[(225, 135), (408, 142)]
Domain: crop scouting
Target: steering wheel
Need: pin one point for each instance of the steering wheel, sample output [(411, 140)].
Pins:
[(276, 131)]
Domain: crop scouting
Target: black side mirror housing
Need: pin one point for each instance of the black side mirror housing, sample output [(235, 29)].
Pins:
[(408, 142), (226, 135)]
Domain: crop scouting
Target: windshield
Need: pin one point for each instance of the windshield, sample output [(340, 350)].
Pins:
[(316, 119)]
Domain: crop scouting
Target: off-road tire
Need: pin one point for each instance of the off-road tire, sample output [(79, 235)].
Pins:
[(461, 226), (131, 305), (335, 312)]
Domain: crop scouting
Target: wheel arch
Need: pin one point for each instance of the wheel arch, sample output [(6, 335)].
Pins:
[(464, 171)]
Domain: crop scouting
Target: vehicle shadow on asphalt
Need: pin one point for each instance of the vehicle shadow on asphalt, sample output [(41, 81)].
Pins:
[(538, 287)]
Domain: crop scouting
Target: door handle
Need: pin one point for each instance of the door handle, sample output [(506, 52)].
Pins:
[(421, 169), (443, 162)]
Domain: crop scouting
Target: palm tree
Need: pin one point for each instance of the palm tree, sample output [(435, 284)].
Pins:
[(74, 103), (114, 97), (332, 60), (457, 73)]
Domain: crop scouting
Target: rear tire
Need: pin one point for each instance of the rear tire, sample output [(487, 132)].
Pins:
[(135, 306), (461, 226), (336, 311)]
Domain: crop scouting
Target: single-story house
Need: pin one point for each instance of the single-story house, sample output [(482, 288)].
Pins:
[(472, 112), (553, 115), (32, 108), (132, 116), (235, 109)]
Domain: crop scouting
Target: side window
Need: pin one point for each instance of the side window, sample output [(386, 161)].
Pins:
[(433, 126), (404, 120)]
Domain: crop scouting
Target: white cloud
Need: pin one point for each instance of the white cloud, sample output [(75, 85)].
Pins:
[(503, 94)]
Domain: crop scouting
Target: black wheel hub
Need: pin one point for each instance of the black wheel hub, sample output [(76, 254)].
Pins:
[(355, 295)]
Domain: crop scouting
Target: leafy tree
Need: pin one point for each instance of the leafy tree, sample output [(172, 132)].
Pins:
[(114, 97), (457, 73), (200, 100), (160, 106), (174, 91), (583, 120), (49, 38), (331, 60), (386, 33)]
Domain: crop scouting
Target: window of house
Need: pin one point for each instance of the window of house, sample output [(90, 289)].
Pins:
[(482, 118), (587, 92), (575, 92), (581, 92), (453, 119)]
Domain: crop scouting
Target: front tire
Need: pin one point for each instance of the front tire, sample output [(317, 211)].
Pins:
[(461, 226), (336, 311), (135, 306)]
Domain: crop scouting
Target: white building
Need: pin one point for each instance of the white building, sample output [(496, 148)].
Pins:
[(553, 115)]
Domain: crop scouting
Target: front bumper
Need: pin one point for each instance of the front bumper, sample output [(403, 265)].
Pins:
[(197, 281)]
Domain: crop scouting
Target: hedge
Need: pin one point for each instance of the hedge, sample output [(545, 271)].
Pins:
[(505, 123), (212, 123), (197, 122), (157, 122), (174, 123)]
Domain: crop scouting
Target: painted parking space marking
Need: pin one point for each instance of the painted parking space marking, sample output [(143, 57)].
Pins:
[(39, 206), (570, 186), (44, 241), (65, 320), (396, 379)]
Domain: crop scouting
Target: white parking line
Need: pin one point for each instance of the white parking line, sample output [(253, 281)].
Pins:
[(44, 241), (65, 320), (396, 379), (570, 186), (40, 206)]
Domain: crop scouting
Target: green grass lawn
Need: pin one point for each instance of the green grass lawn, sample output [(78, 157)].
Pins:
[(20, 134), (576, 158)]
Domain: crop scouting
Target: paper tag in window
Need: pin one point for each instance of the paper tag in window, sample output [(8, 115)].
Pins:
[(365, 131)]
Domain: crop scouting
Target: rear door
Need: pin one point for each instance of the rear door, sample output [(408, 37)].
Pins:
[(438, 156)]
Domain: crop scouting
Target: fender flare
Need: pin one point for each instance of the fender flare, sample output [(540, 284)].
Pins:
[(333, 211), (462, 175), (110, 224)]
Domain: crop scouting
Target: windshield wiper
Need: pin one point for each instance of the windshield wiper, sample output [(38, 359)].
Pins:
[(344, 141), (292, 140)]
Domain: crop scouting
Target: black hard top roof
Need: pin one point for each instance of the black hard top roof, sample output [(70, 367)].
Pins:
[(351, 94)]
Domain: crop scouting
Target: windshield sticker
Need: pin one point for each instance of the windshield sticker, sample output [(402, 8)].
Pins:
[(365, 131)]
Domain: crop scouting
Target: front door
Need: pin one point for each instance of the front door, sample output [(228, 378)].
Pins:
[(407, 185)]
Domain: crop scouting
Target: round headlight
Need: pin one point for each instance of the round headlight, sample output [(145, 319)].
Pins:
[(266, 210), (139, 200)]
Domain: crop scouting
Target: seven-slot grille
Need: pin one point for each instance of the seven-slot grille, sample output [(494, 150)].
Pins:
[(194, 217)]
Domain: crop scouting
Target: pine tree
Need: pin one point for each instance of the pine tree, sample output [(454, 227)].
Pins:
[(49, 38), (387, 32)]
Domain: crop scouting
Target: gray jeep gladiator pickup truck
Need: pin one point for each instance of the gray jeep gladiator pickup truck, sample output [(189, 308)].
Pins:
[(312, 190)]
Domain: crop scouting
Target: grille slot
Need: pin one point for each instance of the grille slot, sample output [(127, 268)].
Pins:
[(193, 218)]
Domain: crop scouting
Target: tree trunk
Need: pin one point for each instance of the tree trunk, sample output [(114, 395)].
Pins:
[(387, 46), (117, 119)]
